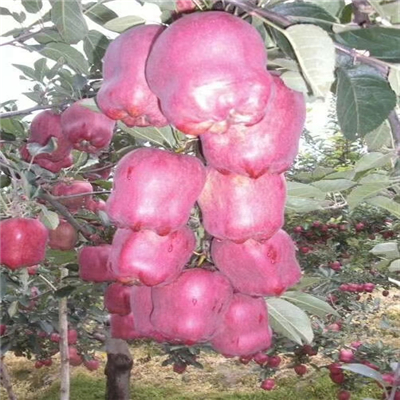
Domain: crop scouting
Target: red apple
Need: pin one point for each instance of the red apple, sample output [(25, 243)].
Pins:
[(238, 208), (47, 362), (123, 327), (96, 205), (219, 81), (38, 364), (73, 188), (300, 369), (270, 146), (22, 242), (274, 361), (258, 269), (93, 264), (124, 94), (261, 358), (267, 384), (3, 329), (55, 337), (144, 257), (337, 378), (189, 309), (185, 5), (343, 395), (87, 130), (346, 356), (117, 299), (64, 237), (72, 336), (75, 359), (244, 329), (155, 189), (179, 368), (32, 270), (92, 365)]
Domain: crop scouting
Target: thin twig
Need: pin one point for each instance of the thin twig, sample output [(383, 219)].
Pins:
[(70, 196), (394, 123), (10, 114), (53, 288)]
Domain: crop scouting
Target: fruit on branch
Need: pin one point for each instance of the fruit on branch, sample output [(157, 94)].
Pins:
[(270, 146), (300, 369), (155, 189), (267, 384), (117, 299), (72, 336), (244, 329), (3, 329), (209, 71), (54, 337), (75, 188), (274, 361), (22, 242), (179, 368), (32, 270), (238, 208), (64, 237), (142, 307), (255, 268), (96, 205), (92, 365), (343, 395), (144, 257), (346, 356), (123, 327), (93, 266), (87, 130), (185, 6), (189, 309), (261, 358), (75, 359), (125, 94)]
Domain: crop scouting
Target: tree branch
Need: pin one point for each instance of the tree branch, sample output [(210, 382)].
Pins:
[(10, 114), (394, 123)]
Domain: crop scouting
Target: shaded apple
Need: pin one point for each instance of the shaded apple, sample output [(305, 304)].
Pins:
[(238, 208), (72, 336), (244, 329), (155, 189), (22, 242), (93, 266), (117, 299), (124, 94), (144, 257), (75, 359), (209, 71), (255, 268), (189, 309), (64, 237), (92, 365), (270, 146), (74, 188), (87, 130), (123, 327)]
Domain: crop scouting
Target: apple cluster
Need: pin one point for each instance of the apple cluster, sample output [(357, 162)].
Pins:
[(205, 75)]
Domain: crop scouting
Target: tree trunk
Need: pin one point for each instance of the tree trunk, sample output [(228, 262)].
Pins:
[(63, 324), (6, 381), (118, 369)]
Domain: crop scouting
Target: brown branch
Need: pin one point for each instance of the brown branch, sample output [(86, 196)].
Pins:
[(10, 114), (360, 10), (20, 38), (70, 196), (6, 380), (394, 123)]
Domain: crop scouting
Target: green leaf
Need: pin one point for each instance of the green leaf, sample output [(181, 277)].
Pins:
[(41, 69), (389, 250), (48, 35), (71, 56), (374, 178), (381, 43), (394, 266), (302, 205), (99, 13), (296, 189), (379, 137), (315, 52), (364, 370), (310, 303), (32, 6), (289, 320), (333, 185), (387, 204), (28, 71), (5, 11), (67, 16), (12, 125), (123, 23), (332, 6), (348, 174), (371, 161), (60, 257), (36, 148), (361, 193), (391, 11), (160, 136), (294, 80), (65, 291), (90, 104), (394, 78), (12, 308), (94, 46), (46, 326), (364, 101), (49, 218)]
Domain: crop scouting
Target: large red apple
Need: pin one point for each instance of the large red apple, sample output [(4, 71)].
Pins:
[(75, 359), (117, 299), (270, 146), (93, 261), (22, 242), (147, 258), (155, 189), (87, 130), (124, 94), (209, 71), (258, 269), (64, 237), (123, 327), (73, 188), (238, 208), (189, 309), (244, 329)]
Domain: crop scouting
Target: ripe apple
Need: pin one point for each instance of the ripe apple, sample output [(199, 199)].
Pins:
[(123, 327), (343, 395), (87, 130), (64, 237), (155, 189), (3, 329), (267, 384), (73, 188), (96, 205), (117, 299), (75, 359), (244, 328), (125, 94), (93, 264), (92, 365), (346, 356), (55, 337), (47, 362), (265, 268), (33, 269), (185, 6), (274, 361), (270, 146), (238, 208), (179, 368), (38, 364), (261, 358), (144, 257), (22, 242), (189, 309), (300, 369), (220, 81), (337, 378), (72, 336)]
